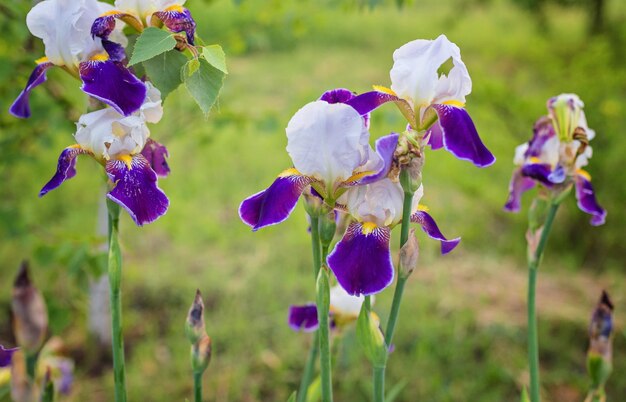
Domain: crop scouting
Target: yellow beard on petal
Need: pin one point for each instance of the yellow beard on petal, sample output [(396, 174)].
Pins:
[(175, 7), (584, 174), (383, 89), (127, 159), (289, 172), (368, 227), (454, 103), (41, 60), (423, 208), (100, 57)]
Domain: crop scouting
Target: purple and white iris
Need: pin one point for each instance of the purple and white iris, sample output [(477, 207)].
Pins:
[(431, 100), (555, 156), (361, 260), (64, 26), (131, 159)]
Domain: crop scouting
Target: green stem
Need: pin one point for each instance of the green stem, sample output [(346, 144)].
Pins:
[(197, 386), (379, 384), (115, 281), (315, 245), (307, 376), (323, 306), (533, 343)]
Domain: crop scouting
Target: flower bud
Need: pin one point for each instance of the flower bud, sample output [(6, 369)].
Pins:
[(409, 254), (328, 227), (194, 327), (201, 354), (313, 202), (599, 355), (566, 111), (30, 316)]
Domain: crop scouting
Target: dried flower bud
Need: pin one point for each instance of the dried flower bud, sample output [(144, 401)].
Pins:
[(409, 254), (599, 355), (194, 327), (21, 391), (201, 354), (30, 316)]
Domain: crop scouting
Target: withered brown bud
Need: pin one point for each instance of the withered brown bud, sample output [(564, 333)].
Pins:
[(194, 327), (201, 354), (30, 315), (409, 254)]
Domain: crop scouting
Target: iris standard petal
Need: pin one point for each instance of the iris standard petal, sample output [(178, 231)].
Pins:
[(6, 355), (156, 155), (303, 318), (178, 19), (113, 84), (361, 260), (432, 230), (518, 186), (385, 148), (274, 204), (587, 200), (66, 168), (136, 189), (20, 107), (460, 137), (342, 95), (368, 101)]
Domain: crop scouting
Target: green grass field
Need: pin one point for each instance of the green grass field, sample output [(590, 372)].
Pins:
[(461, 335)]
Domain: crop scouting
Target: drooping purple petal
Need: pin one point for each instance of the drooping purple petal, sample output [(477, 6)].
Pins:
[(156, 155), (538, 171), (112, 83), (432, 230), (558, 175), (7, 354), (104, 25), (20, 107), (385, 148), (368, 101), (178, 19), (460, 136), (361, 260), (343, 95), (66, 168), (115, 51), (274, 204), (136, 189), (587, 201), (435, 137), (518, 186), (543, 130), (303, 318)]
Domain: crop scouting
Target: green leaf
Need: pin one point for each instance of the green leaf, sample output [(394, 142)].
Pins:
[(151, 43), (525, 397), (164, 71), (394, 392), (371, 338), (292, 398), (314, 393), (204, 85), (192, 66), (216, 57)]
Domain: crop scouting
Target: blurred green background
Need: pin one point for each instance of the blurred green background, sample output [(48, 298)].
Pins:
[(461, 335)]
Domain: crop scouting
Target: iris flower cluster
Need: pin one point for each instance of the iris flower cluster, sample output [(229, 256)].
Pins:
[(333, 162), (83, 38)]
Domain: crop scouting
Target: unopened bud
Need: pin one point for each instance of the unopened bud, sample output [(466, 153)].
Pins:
[(194, 327), (328, 227), (30, 316), (313, 201), (599, 356), (409, 254), (201, 354)]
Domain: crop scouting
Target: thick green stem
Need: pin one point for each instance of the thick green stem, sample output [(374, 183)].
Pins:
[(309, 369), (323, 306), (379, 384), (533, 342), (315, 245), (115, 281), (197, 386)]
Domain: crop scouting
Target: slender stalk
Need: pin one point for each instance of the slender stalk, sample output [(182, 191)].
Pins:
[(115, 281), (197, 386), (323, 306), (533, 343), (379, 384), (315, 245)]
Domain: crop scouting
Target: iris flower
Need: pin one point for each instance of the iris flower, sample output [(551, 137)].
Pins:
[(64, 26), (131, 159), (328, 142), (554, 158), (361, 260), (430, 98), (145, 13)]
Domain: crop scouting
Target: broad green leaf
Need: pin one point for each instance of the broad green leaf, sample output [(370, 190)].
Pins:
[(314, 393), (371, 338), (216, 57), (292, 398), (151, 43), (204, 85), (164, 71), (192, 66)]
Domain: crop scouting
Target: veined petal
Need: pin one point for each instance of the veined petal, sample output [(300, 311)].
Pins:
[(518, 186), (6, 355), (274, 204), (538, 171), (113, 84), (460, 137), (385, 148), (361, 260), (20, 107), (587, 200), (156, 155), (136, 189), (303, 318), (432, 230), (178, 19), (66, 168)]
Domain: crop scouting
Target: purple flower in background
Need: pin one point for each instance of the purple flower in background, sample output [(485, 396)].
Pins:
[(361, 260), (555, 156), (6, 355), (431, 98), (328, 142), (64, 26), (132, 160)]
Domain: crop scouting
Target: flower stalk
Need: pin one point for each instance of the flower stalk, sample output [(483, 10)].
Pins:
[(323, 308)]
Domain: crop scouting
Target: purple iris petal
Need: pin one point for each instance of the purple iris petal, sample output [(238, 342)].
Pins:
[(343, 95), (66, 168), (178, 21), (115, 51), (303, 318), (112, 83), (385, 147), (460, 137), (155, 154), (587, 201), (136, 189), (274, 204), (557, 176), (368, 101), (542, 132), (7, 354), (361, 260), (538, 171), (435, 139), (104, 25), (518, 186), (430, 227), (20, 107)]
